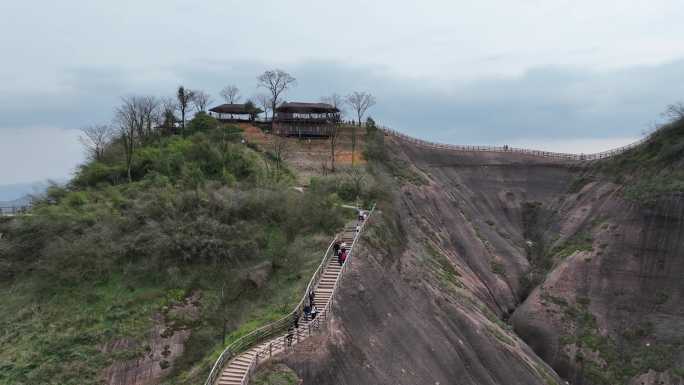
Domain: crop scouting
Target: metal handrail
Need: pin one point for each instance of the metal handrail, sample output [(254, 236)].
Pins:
[(281, 325), (324, 314), (347, 262), (266, 331), (546, 154)]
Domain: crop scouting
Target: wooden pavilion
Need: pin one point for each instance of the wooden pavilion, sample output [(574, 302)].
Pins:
[(305, 120), (235, 112)]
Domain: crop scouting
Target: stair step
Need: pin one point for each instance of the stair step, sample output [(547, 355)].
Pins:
[(243, 360), (238, 376)]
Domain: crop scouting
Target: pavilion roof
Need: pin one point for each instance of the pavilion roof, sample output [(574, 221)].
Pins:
[(235, 108), (313, 108)]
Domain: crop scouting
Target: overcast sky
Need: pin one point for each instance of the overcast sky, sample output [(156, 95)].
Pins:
[(573, 75)]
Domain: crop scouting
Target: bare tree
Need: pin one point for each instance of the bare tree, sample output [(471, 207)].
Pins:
[(675, 111), (231, 94), (201, 100), (335, 100), (276, 82), (184, 98), (130, 119), (264, 101), (95, 139), (360, 103), (167, 114), (280, 147), (149, 109)]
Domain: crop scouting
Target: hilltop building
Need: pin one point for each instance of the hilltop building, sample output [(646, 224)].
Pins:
[(235, 112), (308, 120)]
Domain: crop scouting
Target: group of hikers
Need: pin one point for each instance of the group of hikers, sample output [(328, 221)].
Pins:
[(340, 248), (341, 251), (310, 313)]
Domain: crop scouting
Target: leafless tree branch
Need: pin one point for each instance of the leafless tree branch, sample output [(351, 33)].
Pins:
[(264, 101), (360, 102), (276, 82), (201, 100), (95, 139), (231, 94)]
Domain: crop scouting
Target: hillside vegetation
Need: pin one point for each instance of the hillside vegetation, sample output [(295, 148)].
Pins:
[(109, 278), (653, 169)]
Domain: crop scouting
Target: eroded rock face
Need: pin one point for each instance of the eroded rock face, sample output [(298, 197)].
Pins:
[(606, 309), (164, 344), (429, 312), (620, 301)]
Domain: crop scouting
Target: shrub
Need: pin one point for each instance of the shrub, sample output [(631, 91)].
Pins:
[(201, 122)]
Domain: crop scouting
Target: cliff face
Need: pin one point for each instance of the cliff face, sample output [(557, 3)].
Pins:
[(431, 310), (589, 282), (613, 311)]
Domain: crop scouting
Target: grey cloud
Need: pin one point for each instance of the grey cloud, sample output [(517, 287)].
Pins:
[(544, 102)]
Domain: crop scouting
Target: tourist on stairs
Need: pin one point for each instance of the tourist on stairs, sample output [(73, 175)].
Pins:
[(342, 257), (307, 312), (336, 247), (295, 320)]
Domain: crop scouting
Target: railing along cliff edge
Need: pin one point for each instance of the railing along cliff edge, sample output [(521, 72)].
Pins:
[(280, 326), (546, 154)]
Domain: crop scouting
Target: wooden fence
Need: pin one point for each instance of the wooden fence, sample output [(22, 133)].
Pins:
[(546, 154)]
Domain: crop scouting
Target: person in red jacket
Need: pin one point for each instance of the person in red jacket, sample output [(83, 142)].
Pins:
[(342, 257)]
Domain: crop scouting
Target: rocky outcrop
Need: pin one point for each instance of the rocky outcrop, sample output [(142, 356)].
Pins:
[(154, 357)]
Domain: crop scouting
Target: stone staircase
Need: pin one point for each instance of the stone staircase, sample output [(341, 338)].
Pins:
[(239, 369)]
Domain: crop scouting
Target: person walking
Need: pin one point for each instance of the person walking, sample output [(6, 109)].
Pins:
[(295, 320), (307, 312), (336, 247), (312, 298), (342, 257)]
